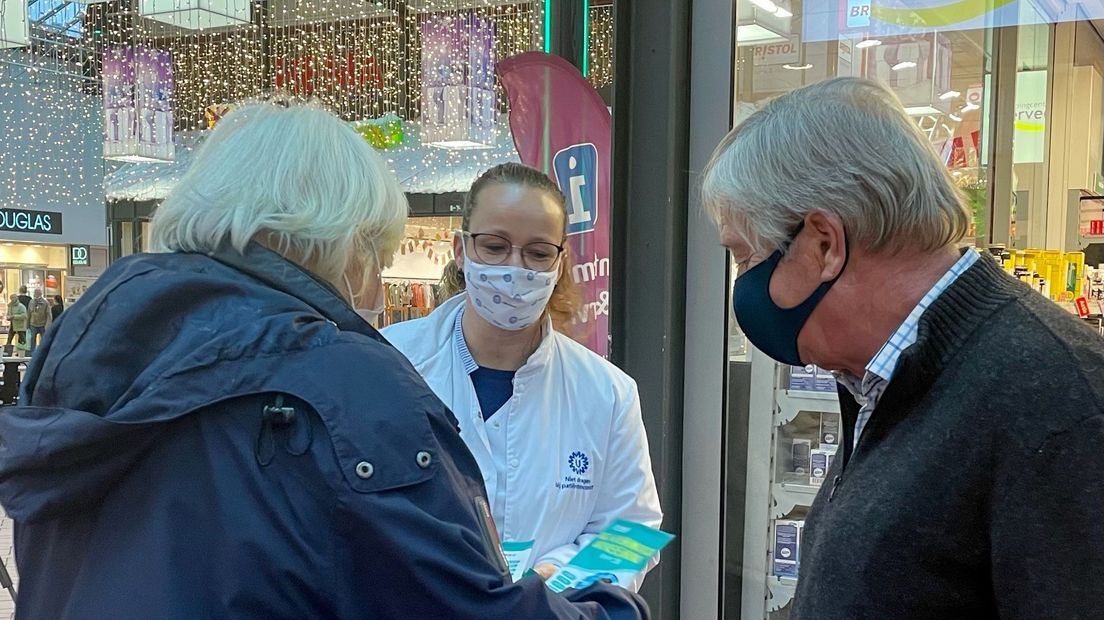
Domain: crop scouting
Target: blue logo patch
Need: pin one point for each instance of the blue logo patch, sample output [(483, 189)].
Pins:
[(579, 462), (576, 169)]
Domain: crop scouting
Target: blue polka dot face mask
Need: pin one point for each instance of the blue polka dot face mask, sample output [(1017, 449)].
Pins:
[(506, 296)]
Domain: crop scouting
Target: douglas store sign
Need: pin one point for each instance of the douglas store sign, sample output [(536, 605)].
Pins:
[(41, 222)]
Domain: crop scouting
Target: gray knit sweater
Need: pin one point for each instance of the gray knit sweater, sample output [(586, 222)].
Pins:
[(977, 488)]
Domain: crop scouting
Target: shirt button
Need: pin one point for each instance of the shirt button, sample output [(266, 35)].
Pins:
[(497, 425), (514, 463)]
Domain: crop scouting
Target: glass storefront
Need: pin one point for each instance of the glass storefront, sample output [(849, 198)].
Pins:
[(421, 81), (1012, 99)]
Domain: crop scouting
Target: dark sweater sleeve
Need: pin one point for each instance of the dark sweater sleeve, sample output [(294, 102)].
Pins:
[(1047, 531)]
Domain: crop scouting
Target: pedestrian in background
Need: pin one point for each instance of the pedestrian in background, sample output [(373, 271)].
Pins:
[(24, 298), (39, 318), (968, 482), (17, 322), (57, 308)]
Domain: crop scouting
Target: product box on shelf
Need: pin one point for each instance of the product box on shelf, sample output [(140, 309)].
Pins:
[(811, 379), (821, 462), (829, 431), (1075, 273), (787, 546), (802, 449)]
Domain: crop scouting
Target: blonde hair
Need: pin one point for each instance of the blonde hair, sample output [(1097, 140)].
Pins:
[(566, 301), (295, 177), (844, 146)]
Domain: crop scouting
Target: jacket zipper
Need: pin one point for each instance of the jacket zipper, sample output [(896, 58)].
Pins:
[(849, 449)]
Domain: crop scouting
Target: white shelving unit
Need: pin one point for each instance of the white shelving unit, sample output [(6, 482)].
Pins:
[(778, 415)]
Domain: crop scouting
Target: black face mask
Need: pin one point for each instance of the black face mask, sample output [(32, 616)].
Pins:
[(773, 330)]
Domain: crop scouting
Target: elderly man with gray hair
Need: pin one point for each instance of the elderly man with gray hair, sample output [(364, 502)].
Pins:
[(968, 484)]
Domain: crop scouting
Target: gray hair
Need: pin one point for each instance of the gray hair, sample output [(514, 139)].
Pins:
[(297, 176), (843, 146)]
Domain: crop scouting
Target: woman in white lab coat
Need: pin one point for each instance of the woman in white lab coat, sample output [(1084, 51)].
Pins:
[(556, 429)]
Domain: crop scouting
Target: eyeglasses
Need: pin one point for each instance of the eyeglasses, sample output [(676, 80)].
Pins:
[(495, 250)]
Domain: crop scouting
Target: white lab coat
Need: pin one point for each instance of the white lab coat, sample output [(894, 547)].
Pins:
[(567, 402)]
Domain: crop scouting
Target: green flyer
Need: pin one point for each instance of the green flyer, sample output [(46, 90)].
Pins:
[(517, 557), (618, 555)]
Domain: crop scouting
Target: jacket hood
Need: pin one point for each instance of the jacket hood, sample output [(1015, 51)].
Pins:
[(131, 356)]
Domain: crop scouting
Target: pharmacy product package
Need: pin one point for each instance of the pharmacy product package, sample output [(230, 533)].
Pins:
[(618, 555)]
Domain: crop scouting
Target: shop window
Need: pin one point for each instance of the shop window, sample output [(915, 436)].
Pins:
[(413, 281)]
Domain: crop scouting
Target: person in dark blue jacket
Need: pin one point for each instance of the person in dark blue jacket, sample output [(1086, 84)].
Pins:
[(214, 431)]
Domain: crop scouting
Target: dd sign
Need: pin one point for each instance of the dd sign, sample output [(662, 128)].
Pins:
[(79, 256)]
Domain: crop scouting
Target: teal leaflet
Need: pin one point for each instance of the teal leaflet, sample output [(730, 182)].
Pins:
[(618, 555)]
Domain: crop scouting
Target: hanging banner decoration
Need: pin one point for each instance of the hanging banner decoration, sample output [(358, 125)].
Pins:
[(458, 81), (561, 126), (120, 113), (155, 90), (138, 111)]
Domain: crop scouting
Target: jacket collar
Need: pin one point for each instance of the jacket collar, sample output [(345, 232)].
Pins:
[(949, 323), (279, 273)]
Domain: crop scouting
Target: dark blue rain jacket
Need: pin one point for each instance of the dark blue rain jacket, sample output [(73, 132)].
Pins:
[(223, 437)]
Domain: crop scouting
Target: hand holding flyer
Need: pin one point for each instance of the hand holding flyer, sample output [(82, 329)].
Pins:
[(618, 554)]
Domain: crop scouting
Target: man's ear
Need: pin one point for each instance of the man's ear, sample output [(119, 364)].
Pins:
[(831, 242)]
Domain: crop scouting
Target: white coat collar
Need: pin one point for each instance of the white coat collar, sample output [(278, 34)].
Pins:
[(536, 361)]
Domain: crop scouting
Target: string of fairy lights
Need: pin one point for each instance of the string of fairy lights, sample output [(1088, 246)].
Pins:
[(600, 46), (360, 58), (50, 131)]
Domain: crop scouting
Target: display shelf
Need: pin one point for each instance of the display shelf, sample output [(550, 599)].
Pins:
[(789, 405), (789, 495), (782, 591), (779, 417), (804, 395)]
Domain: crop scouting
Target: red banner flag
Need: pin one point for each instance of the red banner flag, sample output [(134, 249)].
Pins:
[(561, 126)]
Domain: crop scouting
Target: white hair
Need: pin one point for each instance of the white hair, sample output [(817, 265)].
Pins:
[(843, 146), (297, 178)]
